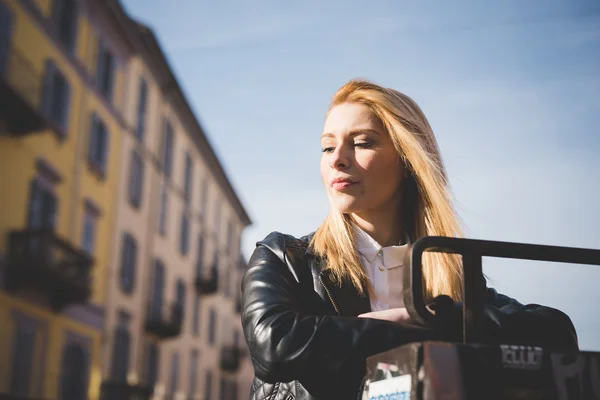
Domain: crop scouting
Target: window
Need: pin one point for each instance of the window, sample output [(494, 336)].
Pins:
[(120, 359), (196, 317), (152, 362), (189, 172), (228, 281), (228, 389), (42, 205), (215, 265), (208, 385), (212, 328), (167, 149), (75, 370), (56, 98), (64, 15), (181, 297), (229, 247), (141, 110), (174, 378), (128, 262), (234, 389), (204, 196), (193, 372), (184, 239), (200, 260), (90, 217), (23, 357), (6, 20), (217, 227), (158, 285), (105, 70), (136, 179), (98, 145), (162, 220), (223, 389)]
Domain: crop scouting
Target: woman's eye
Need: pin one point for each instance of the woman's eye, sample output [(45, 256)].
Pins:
[(363, 145), (328, 149)]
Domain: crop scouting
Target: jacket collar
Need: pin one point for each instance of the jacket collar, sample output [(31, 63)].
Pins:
[(347, 299)]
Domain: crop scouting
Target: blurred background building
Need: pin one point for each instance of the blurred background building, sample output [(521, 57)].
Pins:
[(120, 258)]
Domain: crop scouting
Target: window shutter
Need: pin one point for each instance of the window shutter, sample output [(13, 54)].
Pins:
[(49, 209), (208, 385), (48, 88), (22, 362), (128, 263), (6, 20), (153, 361), (120, 361), (75, 368), (72, 26), (112, 70), (65, 102), (100, 71), (104, 148), (142, 101), (93, 137), (35, 205), (174, 373)]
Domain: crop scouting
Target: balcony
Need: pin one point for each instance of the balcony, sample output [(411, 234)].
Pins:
[(230, 358), (20, 95), (208, 285), (115, 390), (40, 259), (164, 323)]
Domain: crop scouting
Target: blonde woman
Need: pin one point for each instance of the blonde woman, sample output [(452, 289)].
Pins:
[(315, 307)]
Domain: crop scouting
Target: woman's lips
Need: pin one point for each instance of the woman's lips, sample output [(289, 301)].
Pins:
[(341, 185)]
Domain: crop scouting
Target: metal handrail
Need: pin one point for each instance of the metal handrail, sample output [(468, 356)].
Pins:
[(472, 252)]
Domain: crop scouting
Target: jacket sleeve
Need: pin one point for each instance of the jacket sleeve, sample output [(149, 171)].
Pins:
[(506, 321), (530, 324), (286, 341)]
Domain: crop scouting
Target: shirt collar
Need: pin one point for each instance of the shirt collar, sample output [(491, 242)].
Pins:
[(369, 248)]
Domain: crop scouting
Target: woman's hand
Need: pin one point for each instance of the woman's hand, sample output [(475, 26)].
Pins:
[(393, 315)]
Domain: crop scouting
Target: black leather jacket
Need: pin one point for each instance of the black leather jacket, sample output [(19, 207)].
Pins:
[(305, 341)]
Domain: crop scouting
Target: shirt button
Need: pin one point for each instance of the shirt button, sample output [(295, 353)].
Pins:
[(380, 253), (381, 268)]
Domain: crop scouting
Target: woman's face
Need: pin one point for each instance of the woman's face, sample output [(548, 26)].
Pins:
[(360, 166)]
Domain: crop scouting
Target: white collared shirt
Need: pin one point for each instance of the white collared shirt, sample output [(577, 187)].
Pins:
[(384, 266)]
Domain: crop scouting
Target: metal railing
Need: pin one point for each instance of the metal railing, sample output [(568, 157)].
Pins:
[(164, 320), (472, 252), (32, 251)]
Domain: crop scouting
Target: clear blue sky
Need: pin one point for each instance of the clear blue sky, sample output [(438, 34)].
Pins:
[(511, 88)]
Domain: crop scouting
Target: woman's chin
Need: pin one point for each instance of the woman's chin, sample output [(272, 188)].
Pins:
[(346, 205)]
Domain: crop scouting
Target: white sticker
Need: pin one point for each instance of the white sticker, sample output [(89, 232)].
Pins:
[(522, 357), (397, 388)]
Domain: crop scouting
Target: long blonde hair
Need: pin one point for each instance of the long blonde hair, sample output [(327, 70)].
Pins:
[(427, 200)]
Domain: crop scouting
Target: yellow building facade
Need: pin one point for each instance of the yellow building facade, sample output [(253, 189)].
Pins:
[(62, 69), (120, 258)]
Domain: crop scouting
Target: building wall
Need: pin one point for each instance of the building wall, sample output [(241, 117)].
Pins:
[(142, 223), (32, 38), (93, 324)]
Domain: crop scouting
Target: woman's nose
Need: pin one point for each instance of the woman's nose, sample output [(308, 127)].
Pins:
[(340, 159)]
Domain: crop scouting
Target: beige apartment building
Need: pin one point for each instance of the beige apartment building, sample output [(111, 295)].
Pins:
[(172, 311)]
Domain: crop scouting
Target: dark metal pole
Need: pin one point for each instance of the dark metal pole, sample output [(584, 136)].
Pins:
[(474, 298)]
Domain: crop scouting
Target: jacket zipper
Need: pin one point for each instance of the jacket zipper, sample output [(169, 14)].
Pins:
[(337, 310)]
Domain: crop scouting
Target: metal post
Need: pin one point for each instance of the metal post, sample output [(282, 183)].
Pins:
[(474, 298)]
